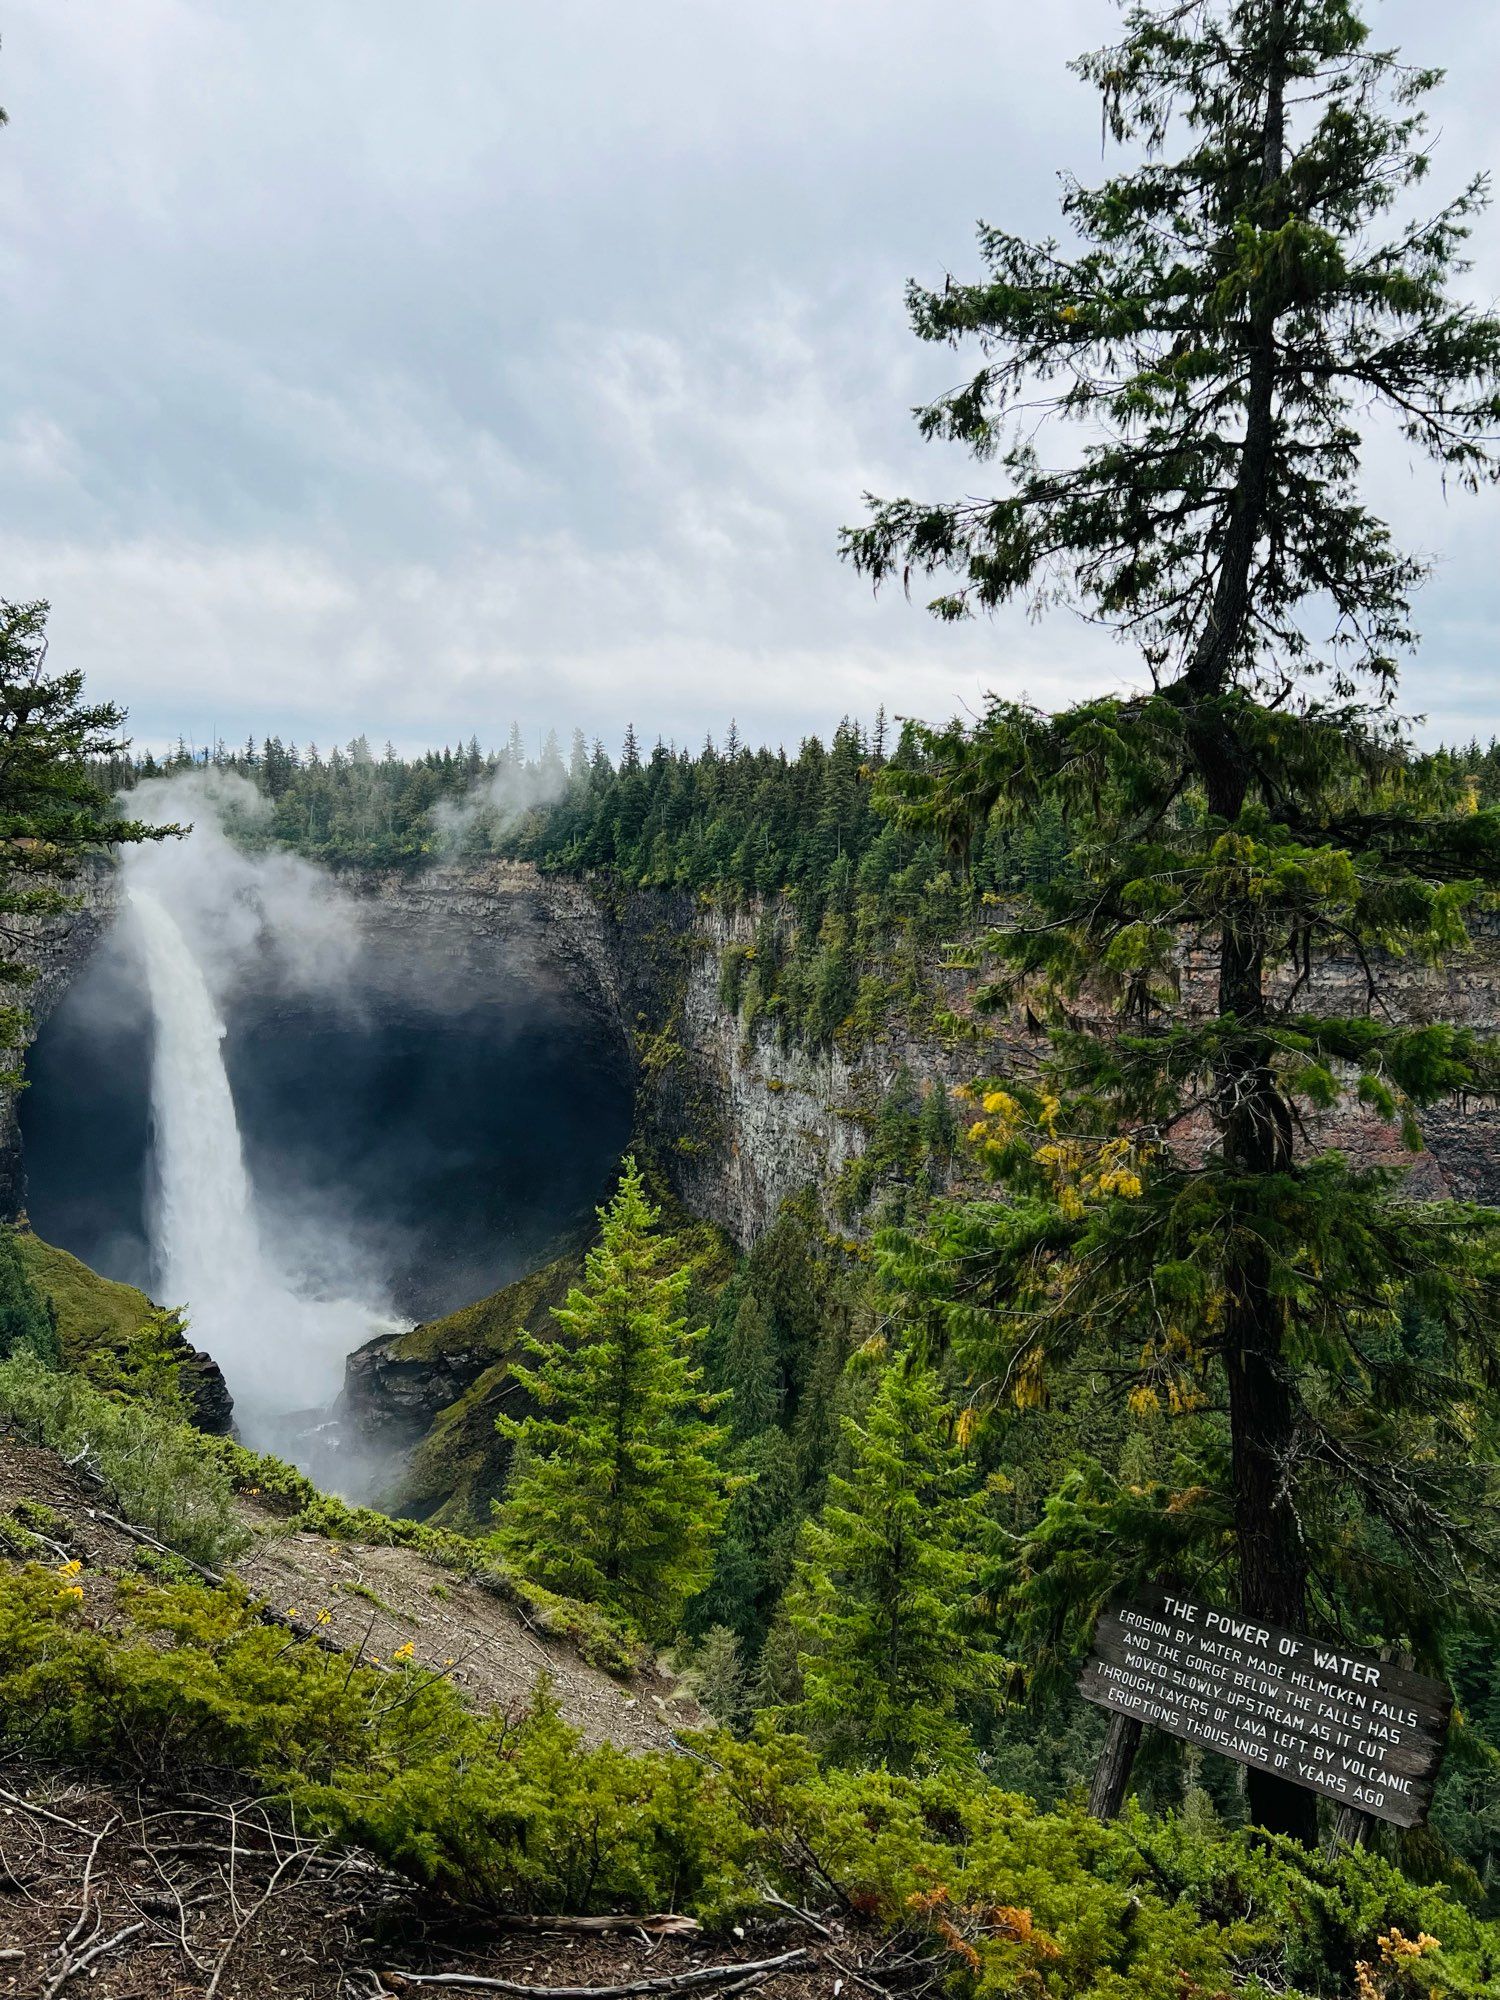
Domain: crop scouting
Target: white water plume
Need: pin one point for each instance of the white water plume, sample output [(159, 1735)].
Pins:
[(277, 1333)]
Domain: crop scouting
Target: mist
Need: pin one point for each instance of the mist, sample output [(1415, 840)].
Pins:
[(305, 1113), (503, 795), (277, 1305)]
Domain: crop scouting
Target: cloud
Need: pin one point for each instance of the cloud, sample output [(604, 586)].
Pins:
[(525, 366)]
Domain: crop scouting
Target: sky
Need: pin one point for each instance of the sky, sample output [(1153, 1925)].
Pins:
[(418, 370)]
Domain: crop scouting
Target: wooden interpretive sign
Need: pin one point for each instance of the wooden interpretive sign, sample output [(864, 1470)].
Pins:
[(1356, 1728)]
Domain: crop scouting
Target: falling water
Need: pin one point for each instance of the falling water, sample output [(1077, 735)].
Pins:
[(280, 1351)]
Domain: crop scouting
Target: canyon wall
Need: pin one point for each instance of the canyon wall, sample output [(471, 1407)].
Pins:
[(54, 950), (739, 1121)]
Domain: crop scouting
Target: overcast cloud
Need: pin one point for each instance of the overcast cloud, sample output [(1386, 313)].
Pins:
[(414, 369)]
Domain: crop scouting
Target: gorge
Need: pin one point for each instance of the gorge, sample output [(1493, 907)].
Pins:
[(433, 1074), (265, 1098)]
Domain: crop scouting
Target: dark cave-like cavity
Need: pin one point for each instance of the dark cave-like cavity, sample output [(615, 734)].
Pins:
[(446, 1124)]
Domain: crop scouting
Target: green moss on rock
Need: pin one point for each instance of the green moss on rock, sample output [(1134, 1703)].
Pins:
[(92, 1312), (492, 1323)]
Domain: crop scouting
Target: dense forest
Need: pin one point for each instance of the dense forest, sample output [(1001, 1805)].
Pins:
[(738, 822), (870, 1485)]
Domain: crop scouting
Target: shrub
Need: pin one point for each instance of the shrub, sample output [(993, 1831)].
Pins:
[(512, 1813), (1018, 1901), (151, 1463), (507, 1811)]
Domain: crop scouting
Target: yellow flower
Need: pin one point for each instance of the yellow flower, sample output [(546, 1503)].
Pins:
[(73, 1590), (324, 1615), (405, 1652), (69, 1568)]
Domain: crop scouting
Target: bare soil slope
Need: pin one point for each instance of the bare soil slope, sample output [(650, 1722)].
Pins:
[(373, 1601)]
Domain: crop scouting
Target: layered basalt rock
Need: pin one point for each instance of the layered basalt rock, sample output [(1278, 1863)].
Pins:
[(741, 1120)]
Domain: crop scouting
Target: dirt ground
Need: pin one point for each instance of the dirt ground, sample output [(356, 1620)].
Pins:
[(133, 1897), (379, 1599), (374, 1601)]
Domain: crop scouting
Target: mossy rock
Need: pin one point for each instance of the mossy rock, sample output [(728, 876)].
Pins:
[(491, 1324), (92, 1312), (99, 1321), (457, 1471)]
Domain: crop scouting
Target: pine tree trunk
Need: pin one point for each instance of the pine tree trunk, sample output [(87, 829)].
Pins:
[(1256, 1133), (1253, 1120)]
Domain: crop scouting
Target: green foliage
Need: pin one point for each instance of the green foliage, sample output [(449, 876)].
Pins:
[(154, 1467), (512, 1813), (617, 1491), (883, 1597), (1218, 364), (912, 1147), (17, 1539), (716, 1678), (148, 1367), (1008, 1900), (27, 1326), (752, 1368), (53, 811), (1242, 293), (784, 1326)]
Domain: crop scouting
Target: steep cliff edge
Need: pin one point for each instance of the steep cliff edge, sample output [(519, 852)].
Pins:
[(739, 1118), (54, 950)]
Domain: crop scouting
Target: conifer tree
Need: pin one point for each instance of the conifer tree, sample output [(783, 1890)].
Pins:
[(751, 1369), (617, 1491), (885, 1583), (53, 812), (1242, 296)]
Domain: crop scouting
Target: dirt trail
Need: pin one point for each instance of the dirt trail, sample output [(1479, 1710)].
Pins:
[(379, 1600)]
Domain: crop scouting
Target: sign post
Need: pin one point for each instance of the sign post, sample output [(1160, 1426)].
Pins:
[(1361, 1730)]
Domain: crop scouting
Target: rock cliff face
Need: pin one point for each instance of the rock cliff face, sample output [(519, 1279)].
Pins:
[(739, 1121), (55, 949)]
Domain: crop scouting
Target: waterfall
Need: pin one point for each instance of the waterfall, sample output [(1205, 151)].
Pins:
[(280, 1350)]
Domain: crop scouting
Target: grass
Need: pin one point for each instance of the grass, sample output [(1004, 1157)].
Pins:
[(92, 1312)]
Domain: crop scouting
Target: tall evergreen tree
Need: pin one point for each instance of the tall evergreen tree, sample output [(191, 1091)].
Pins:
[(752, 1370), (53, 812), (1236, 307), (617, 1492), (885, 1582)]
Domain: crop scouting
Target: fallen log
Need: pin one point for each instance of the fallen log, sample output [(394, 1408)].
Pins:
[(666, 1982)]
